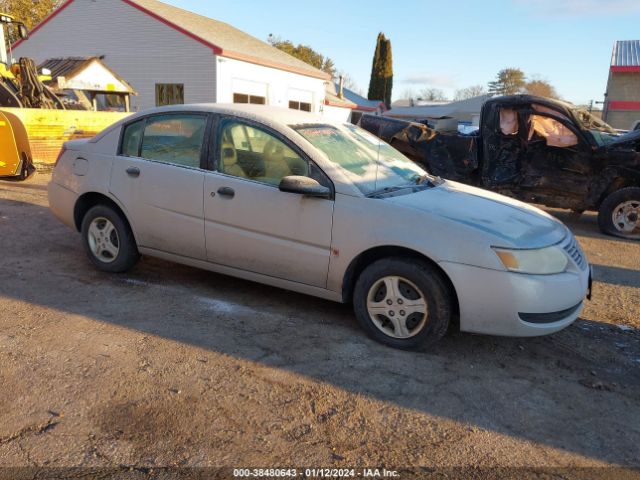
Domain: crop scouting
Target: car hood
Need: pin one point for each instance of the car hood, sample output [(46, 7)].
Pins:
[(630, 137), (511, 223)]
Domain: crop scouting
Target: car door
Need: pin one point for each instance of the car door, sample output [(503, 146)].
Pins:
[(249, 223), (556, 156), (502, 146), (157, 177)]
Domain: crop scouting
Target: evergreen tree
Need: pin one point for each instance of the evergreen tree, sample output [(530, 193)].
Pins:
[(508, 81), (375, 90), (304, 53), (381, 83)]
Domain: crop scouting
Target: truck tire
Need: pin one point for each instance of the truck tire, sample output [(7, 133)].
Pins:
[(402, 303), (619, 213)]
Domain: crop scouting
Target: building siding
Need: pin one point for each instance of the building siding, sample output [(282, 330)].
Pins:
[(622, 87), (139, 48), (279, 86)]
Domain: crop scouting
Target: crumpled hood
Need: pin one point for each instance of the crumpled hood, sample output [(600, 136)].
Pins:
[(631, 136), (510, 222)]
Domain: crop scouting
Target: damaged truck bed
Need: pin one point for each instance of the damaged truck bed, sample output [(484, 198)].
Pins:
[(536, 150)]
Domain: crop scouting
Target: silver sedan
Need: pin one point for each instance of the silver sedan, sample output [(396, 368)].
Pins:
[(295, 201)]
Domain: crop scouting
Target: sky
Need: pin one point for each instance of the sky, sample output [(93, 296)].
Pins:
[(449, 44)]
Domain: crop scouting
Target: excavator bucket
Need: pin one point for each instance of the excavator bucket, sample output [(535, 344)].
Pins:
[(32, 137), (15, 152)]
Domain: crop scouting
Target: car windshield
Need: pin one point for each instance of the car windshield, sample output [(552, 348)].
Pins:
[(602, 132), (371, 164)]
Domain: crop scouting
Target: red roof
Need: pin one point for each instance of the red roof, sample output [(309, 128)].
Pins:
[(223, 39)]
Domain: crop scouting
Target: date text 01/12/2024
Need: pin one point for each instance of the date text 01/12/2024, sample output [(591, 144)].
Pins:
[(314, 473)]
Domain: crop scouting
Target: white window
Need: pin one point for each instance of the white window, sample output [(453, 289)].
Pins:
[(300, 99)]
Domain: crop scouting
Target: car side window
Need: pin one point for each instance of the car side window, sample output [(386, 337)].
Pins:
[(508, 121), (175, 139), (131, 139), (249, 152), (554, 133)]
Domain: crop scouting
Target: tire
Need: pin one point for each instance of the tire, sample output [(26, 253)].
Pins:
[(108, 240), (411, 279), (624, 204), (25, 171)]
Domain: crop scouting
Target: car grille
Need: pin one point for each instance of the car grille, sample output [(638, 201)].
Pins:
[(575, 252)]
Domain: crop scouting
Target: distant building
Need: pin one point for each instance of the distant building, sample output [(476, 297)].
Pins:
[(87, 84), (336, 106), (464, 111), (173, 56), (622, 99), (363, 105)]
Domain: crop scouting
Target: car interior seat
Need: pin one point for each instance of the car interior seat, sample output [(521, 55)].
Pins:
[(276, 166), (229, 158)]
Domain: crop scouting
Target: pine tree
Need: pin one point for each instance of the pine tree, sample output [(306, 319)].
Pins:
[(388, 72), (508, 82), (381, 83), (375, 88)]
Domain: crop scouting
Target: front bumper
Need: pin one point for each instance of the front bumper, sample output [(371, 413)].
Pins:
[(513, 304)]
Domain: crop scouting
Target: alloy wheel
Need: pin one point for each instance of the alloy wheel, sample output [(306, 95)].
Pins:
[(397, 307)]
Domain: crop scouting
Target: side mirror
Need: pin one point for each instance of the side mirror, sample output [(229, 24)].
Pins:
[(304, 186), (23, 32)]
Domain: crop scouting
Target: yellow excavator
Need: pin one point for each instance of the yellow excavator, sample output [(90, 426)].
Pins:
[(33, 120)]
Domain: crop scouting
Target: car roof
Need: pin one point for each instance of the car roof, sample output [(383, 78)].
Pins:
[(263, 113), (276, 117)]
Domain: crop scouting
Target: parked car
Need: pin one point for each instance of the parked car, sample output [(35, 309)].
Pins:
[(636, 125), (537, 150), (292, 200)]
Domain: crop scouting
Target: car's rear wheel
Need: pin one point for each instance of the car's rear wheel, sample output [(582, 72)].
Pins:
[(619, 213), (108, 240), (402, 303)]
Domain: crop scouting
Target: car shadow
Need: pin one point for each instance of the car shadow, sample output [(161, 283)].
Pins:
[(616, 275), (568, 390)]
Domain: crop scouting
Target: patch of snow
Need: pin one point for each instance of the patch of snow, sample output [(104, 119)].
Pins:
[(134, 281)]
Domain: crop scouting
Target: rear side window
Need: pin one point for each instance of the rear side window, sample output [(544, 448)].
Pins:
[(131, 139), (175, 139)]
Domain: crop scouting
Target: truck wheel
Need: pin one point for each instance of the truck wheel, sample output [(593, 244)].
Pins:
[(402, 303), (619, 213), (108, 240)]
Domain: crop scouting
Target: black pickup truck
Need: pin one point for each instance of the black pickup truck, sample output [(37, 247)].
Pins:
[(536, 150)]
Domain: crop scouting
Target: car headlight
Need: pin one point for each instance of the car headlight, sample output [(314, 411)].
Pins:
[(540, 261)]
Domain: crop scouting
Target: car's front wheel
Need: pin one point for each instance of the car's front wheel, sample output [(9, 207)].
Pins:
[(108, 240), (619, 213), (402, 303)]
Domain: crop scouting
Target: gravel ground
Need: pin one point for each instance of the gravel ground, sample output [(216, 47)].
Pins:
[(169, 366)]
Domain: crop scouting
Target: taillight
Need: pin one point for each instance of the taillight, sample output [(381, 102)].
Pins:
[(62, 150)]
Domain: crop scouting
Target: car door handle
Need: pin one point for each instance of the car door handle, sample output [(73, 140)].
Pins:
[(226, 192), (133, 171)]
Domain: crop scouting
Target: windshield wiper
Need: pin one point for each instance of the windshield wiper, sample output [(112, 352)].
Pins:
[(384, 190), (430, 180), (425, 179)]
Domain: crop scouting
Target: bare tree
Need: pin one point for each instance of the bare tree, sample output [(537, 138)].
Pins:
[(541, 88), (347, 82), (470, 92), (408, 94), (432, 94)]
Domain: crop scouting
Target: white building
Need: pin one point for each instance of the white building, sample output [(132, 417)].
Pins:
[(170, 55)]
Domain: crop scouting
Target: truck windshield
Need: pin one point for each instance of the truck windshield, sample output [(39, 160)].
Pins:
[(371, 164)]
